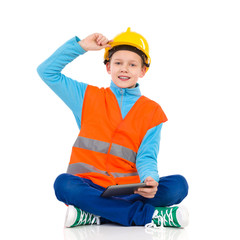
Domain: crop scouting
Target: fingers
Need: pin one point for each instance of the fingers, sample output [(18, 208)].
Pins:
[(102, 41), (146, 195), (146, 192), (152, 183), (94, 42), (150, 191)]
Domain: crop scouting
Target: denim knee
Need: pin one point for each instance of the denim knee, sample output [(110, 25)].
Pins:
[(182, 186), (61, 186)]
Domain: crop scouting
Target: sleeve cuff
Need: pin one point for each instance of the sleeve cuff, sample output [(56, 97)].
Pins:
[(80, 49), (154, 176)]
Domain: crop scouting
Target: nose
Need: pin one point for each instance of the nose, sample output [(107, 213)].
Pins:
[(124, 68)]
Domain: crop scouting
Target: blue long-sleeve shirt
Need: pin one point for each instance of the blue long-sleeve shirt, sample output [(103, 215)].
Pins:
[(72, 93)]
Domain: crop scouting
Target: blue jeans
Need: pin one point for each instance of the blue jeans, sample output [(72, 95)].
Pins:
[(126, 210)]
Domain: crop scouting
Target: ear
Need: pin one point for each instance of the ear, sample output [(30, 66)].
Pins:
[(143, 72), (108, 68)]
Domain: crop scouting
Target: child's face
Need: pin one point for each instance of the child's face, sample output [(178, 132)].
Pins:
[(125, 67)]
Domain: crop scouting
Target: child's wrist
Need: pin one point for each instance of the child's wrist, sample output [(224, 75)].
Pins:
[(83, 45)]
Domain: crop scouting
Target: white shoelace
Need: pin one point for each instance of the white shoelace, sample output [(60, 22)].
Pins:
[(85, 216), (161, 219)]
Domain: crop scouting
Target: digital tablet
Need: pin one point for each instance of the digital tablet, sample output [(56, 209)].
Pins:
[(124, 189)]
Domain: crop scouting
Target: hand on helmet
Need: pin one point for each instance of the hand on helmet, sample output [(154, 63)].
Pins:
[(94, 42)]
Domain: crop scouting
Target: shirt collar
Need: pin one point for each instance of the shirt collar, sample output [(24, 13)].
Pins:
[(130, 91)]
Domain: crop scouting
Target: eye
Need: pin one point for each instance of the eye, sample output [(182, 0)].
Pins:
[(117, 63), (133, 65)]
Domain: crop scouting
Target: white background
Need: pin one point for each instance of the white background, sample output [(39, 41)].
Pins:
[(195, 73)]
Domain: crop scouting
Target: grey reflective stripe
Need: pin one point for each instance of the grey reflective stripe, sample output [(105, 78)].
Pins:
[(76, 168), (80, 167), (91, 144), (123, 152), (102, 147), (124, 174)]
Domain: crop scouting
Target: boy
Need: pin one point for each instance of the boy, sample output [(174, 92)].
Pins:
[(118, 141)]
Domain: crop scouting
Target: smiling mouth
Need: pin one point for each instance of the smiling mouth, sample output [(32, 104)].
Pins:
[(123, 78)]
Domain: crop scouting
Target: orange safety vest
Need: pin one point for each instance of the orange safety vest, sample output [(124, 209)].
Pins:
[(107, 145)]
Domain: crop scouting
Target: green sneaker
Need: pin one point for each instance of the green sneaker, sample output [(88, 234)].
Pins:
[(176, 216), (77, 217)]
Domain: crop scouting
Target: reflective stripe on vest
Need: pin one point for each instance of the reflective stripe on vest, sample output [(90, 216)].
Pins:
[(102, 147), (116, 175), (91, 144), (123, 152), (80, 167)]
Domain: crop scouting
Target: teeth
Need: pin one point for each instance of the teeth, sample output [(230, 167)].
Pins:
[(124, 77)]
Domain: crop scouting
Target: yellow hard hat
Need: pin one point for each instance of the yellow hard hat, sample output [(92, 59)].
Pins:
[(133, 39)]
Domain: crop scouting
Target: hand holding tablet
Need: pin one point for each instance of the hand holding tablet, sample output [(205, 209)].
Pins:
[(124, 189)]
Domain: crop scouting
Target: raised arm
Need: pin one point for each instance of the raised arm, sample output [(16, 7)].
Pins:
[(69, 90)]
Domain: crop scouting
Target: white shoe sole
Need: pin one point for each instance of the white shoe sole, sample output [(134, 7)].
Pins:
[(182, 216), (71, 216)]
